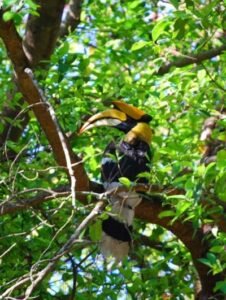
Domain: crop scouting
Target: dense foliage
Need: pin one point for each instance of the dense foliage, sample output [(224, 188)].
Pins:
[(149, 54)]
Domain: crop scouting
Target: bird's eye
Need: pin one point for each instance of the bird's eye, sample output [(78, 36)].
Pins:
[(146, 118)]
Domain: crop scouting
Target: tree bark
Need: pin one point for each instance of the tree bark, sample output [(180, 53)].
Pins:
[(191, 59), (40, 40), (42, 31), (195, 241), (40, 107), (72, 17)]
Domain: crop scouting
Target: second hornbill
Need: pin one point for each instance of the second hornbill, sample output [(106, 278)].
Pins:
[(127, 159)]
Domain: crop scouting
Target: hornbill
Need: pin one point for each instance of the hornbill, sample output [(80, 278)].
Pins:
[(127, 159)]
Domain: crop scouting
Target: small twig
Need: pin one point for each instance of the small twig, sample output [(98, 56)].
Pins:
[(74, 272), (23, 111), (8, 250), (212, 79), (65, 249), (7, 206), (26, 278), (191, 59), (75, 268), (55, 236)]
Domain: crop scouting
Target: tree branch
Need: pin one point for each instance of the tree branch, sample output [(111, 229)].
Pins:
[(72, 17), (40, 39), (144, 240), (39, 43), (194, 241), (9, 207), (191, 59), (149, 211), (42, 31), (41, 108)]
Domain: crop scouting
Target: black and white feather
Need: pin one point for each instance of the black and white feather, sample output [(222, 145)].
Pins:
[(123, 160), (128, 158)]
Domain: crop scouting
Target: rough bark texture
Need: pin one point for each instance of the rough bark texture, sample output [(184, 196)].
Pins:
[(72, 18), (40, 108), (42, 31), (41, 36), (39, 42)]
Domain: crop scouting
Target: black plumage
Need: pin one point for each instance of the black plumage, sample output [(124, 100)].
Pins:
[(117, 229), (126, 160)]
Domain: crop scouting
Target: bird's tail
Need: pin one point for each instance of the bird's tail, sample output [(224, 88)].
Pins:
[(117, 229)]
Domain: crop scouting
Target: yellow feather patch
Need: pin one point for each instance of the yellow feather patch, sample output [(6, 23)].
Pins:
[(141, 132)]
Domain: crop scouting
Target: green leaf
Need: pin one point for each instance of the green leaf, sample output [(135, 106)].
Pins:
[(7, 16), (125, 181), (211, 257), (189, 3), (7, 3), (205, 261), (182, 206), (207, 9), (95, 230), (159, 29), (179, 27), (221, 159), (175, 3), (217, 249), (201, 75), (139, 45), (166, 213), (221, 136), (33, 6), (220, 286), (13, 146), (220, 187), (134, 4), (210, 260)]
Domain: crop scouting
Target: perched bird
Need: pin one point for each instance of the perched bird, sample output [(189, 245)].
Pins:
[(130, 157)]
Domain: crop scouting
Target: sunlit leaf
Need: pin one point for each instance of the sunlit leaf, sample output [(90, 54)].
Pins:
[(125, 181), (95, 231), (166, 213), (139, 45), (159, 28), (220, 286), (221, 159)]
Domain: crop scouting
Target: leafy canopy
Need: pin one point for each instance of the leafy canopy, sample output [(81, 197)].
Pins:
[(118, 52)]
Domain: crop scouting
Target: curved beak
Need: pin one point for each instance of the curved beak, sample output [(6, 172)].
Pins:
[(110, 117), (131, 111)]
